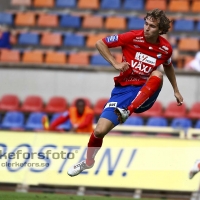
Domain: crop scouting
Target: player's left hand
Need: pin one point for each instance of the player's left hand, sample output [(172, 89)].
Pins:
[(74, 127), (179, 98)]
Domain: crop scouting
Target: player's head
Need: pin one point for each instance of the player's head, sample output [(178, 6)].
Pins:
[(80, 105), (156, 23)]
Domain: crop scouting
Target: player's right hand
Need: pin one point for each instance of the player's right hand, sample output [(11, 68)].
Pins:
[(122, 67)]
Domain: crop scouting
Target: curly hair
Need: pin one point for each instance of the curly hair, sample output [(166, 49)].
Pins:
[(164, 22)]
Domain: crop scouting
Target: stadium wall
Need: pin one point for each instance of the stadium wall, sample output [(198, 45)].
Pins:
[(91, 84)]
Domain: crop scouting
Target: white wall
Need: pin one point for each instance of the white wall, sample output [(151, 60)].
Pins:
[(72, 84)]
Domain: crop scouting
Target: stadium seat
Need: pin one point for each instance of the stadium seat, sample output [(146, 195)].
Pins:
[(197, 125), (74, 40), (32, 103), (198, 26), (88, 4), (25, 19), (93, 38), (182, 123), (34, 121), (70, 21), (13, 120), (160, 4), (134, 121), (51, 39), (194, 112), (115, 23), (110, 4), (157, 121), (87, 101), (56, 104), (6, 18), (172, 110), (29, 38), (33, 57), (99, 106), (92, 22), (188, 44), (21, 2), (43, 3), (97, 59), (179, 6), (155, 111), (80, 58), (183, 25), (135, 23), (133, 5), (47, 20), (55, 57), (9, 102), (10, 56), (65, 126), (67, 4), (195, 7)]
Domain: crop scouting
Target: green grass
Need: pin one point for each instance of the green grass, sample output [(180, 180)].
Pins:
[(38, 196)]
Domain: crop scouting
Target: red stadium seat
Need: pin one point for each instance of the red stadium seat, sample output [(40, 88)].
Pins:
[(194, 112), (56, 104), (9, 102), (173, 110), (155, 111), (87, 101), (98, 107), (32, 104)]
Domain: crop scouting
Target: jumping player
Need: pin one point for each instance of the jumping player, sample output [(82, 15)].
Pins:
[(139, 83)]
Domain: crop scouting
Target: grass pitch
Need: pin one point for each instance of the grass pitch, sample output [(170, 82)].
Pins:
[(38, 196)]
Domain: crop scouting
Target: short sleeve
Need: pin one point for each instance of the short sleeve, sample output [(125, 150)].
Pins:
[(118, 40), (168, 62)]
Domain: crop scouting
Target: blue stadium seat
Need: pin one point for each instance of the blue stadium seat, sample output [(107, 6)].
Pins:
[(65, 126), (184, 25), (135, 23), (198, 26), (64, 3), (182, 123), (136, 121), (70, 21), (197, 125), (98, 60), (157, 121), (6, 18), (110, 4), (34, 121), (133, 4), (13, 120), (29, 38), (74, 40)]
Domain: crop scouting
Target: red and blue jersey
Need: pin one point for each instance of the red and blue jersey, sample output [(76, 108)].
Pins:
[(142, 56)]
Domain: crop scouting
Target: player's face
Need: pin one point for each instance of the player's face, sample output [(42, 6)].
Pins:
[(151, 29), (80, 108)]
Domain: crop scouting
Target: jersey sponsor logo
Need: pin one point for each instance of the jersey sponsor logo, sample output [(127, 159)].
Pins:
[(139, 38), (143, 69), (112, 38), (111, 105), (145, 58)]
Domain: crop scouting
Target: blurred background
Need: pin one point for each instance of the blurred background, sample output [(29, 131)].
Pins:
[(49, 60)]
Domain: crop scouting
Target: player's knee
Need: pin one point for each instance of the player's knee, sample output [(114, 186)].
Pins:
[(99, 132), (158, 74)]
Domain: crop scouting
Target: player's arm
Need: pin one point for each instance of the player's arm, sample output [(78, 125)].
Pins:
[(169, 71), (105, 52)]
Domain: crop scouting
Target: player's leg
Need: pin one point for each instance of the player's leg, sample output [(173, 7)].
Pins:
[(153, 84), (53, 126), (95, 142), (195, 169)]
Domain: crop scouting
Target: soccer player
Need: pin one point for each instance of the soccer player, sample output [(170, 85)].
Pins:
[(81, 117), (195, 169), (138, 84)]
